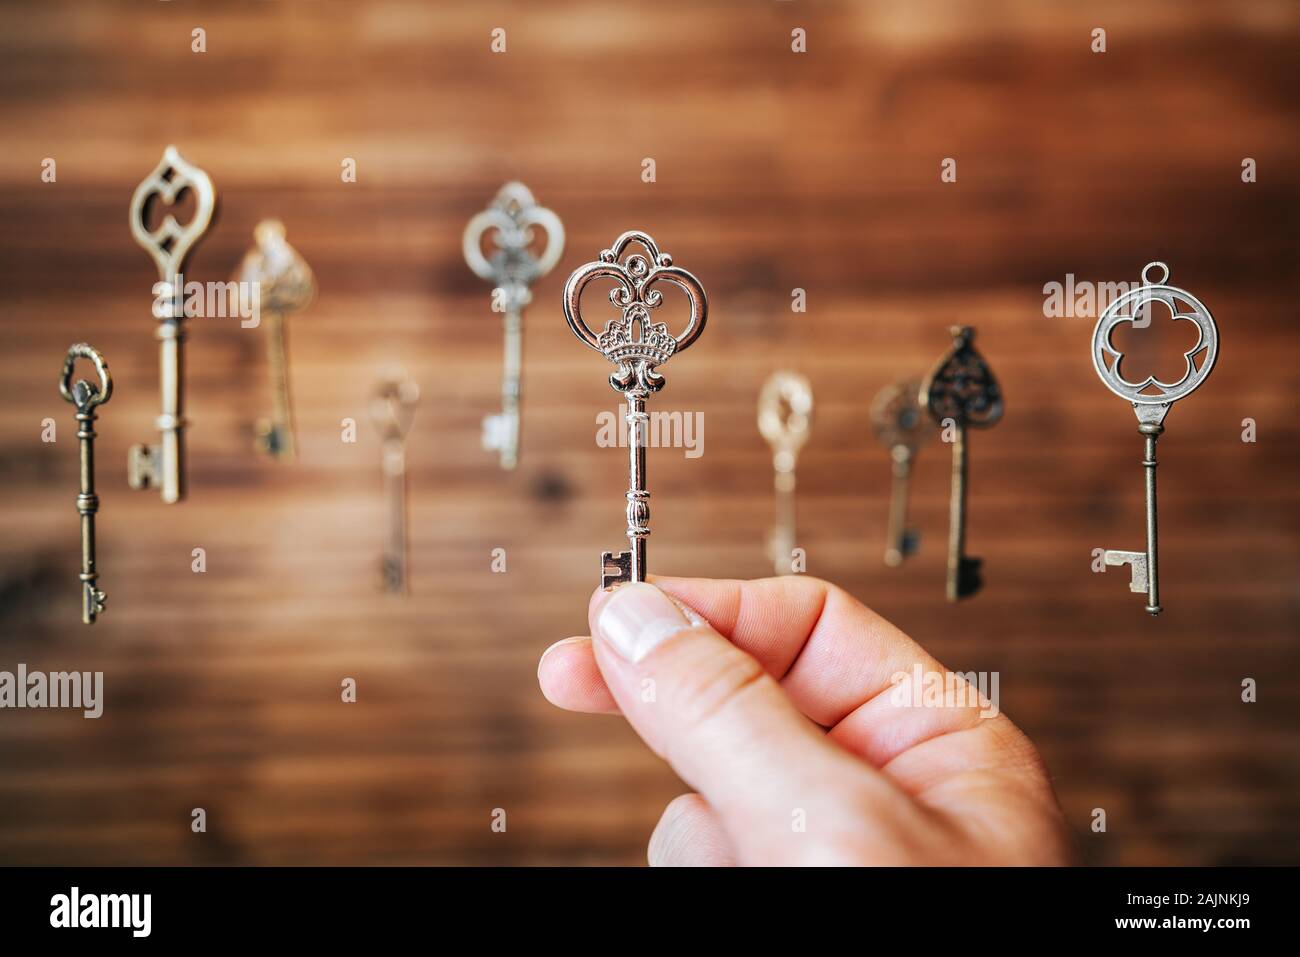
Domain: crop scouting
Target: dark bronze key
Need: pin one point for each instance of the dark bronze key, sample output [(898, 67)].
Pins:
[(86, 397), (961, 393)]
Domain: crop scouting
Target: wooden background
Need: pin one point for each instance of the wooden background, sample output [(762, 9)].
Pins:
[(775, 171)]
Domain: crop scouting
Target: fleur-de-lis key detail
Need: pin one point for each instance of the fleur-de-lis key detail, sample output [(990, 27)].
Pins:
[(637, 346), (284, 284), (901, 426), (1152, 398), (163, 465), (961, 393), (86, 397), (785, 419), (512, 268), (392, 408)]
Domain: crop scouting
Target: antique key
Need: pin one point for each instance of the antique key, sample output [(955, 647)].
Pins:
[(86, 397), (961, 393), (285, 284), (785, 419), (163, 465), (392, 407), (636, 345), (512, 269), (900, 425), (1151, 407)]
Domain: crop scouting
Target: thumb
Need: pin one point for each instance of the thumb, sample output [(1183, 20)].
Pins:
[(729, 730)]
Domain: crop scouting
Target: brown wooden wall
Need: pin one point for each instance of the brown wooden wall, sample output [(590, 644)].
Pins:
[(774, 171)]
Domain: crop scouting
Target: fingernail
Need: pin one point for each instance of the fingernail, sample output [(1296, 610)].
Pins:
[(561, 642), (637, 618)]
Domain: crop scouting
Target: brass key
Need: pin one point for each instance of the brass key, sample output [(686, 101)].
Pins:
[(1150, 406), (163, 465), (86, 397), (392, 408), (961, 393), (785, 419), (900, 425), (285, 284)]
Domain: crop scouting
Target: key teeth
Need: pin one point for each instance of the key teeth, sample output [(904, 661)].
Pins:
[(969, 580), (621, 562), (1137, 562), (899, 550), (273, 440), (493, 433), (93, 601), (143, 466), (497, 437)]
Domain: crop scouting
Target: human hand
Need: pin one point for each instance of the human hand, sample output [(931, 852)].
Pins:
[(773, 699)]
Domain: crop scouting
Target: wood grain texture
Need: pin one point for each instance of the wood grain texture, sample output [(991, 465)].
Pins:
[(775, 171)]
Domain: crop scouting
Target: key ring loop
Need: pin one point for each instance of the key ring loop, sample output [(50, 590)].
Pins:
[(1159, 282), (85, 395)]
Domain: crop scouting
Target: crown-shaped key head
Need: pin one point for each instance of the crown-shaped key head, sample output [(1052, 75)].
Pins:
[(510, 220), (632, 340)]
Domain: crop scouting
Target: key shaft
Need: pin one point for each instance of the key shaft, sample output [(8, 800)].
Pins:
[(277, 435), (899, 541), (1151, 432), (783, 526), (395, 549)]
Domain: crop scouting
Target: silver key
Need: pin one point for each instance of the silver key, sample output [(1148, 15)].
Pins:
[(163, 465), (785, 419), (86, 397), (636, 345), (961, 393), (512, 268), (392, 408), (1152, 398), (901, 426), (285, 284)]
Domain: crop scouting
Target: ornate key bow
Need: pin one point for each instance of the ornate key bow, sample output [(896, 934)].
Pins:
[(637, 345)]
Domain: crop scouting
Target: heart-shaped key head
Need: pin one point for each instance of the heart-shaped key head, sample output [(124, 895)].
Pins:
[(82, 394), (284, 281), (1151, 397), (961, 386), (170, 242), (632, 340), (509, 224)]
